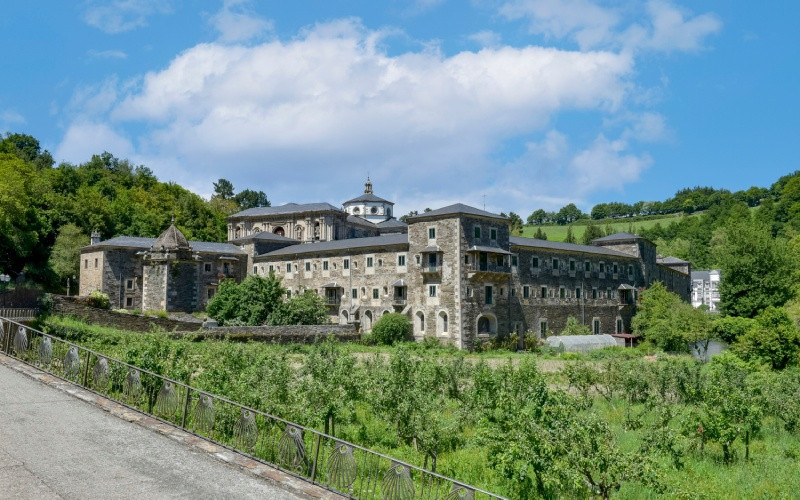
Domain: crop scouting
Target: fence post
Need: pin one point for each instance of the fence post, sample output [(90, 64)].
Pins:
[(185, 407), (7, 331), (316, 456), (86, 369)]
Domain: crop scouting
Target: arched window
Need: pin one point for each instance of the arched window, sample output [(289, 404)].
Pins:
[(441, 323), (367, 325), (316, 231), (487, 324), (279, 231), (420, 323)]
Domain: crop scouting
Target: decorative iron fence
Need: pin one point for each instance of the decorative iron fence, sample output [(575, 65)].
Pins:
[(324, 460), (18, 314)]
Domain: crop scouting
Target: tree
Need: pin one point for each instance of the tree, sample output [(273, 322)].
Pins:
[(537, 217), (757, 269), (516, 223), (570, 238), (592, 232), (251, 199), (404, 218), (307, 308), (249, 302), (668, 322), (539, 234), (568, 214), (65, 257), (223, 188), (574, 327), (772, 338), (391, 328)]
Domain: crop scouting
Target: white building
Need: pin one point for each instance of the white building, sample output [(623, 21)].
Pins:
[(705, 289)]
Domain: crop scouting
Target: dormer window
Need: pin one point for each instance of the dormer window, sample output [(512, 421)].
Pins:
[(356, 210)]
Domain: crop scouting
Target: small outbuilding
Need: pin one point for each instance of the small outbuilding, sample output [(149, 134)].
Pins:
[(580, 343)]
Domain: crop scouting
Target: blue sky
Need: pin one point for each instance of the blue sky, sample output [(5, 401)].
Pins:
[(528, 103)]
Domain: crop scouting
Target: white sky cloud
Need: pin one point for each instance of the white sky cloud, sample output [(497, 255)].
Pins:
[(236, 22), (84, 139), (10, 116), (106, 54), (119, 16)]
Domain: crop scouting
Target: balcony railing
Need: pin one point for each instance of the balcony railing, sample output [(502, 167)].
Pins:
[(332, 463), (489, 268), (400, 301), (333, 301), (431, 268)]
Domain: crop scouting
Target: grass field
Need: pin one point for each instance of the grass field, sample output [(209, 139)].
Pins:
[(559, 233)]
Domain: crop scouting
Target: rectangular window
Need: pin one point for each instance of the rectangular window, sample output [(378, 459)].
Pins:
[(477, 232), (577, 293), (587, 266), (630, 270), (288, 267), (543, 292), (596, 326), (346, 264), (526, 292), (210, 293), (543, 328), (271, 268), (499, 261), (469, 291), (128, 301), (129, 284), (401, 260), (594, 293), (562, 293), (431, 233), (513, 292), (324, 265), (502, 291), (615, 268), (431, 290), (95, 263), (602, 267), (207, 267), (514, 260), (571, 265), (375, 293), (354, 293), (619, 326), (255, 269), (369, 261), (492, 234), (226, 268), (466, 259), (535, 262), (555, 263), (308, 266), (86, 263), (288, 293), (489, 297), (608, 293)]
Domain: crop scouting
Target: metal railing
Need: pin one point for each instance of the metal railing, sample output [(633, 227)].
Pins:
[(18, 313), (319, 458)]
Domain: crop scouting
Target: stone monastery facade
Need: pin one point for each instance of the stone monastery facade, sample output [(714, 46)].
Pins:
[(456, 272)]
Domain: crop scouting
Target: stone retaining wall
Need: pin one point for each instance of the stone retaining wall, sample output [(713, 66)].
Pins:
[(73, 306), (285, 334)]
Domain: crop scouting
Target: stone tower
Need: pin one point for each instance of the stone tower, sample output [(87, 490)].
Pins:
[(170, 274)]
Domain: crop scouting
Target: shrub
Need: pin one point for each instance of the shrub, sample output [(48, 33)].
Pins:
[(573, 327), (391, 328), (98, 299), (773, 339), (305, 309)]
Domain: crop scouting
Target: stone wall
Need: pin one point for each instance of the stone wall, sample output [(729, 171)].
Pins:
[(72, 306), (288, 334)]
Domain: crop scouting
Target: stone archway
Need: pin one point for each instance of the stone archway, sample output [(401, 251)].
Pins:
[(279, 231)]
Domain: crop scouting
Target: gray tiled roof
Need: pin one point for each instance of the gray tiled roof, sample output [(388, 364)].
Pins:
[(391, 223), (146, 243), (368, 197), (355, 219), (288, 208), (338, 245), (564, 247), (265, 235), (458, 208), (618, 237), (671, 260), (172, 238), (701, 275)]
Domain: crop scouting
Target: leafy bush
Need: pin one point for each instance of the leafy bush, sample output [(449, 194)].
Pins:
[(773, 339), (305, 309), (391, 328), (98, 299), (251, 301), (573, 327), (668, 322), (730, 328)]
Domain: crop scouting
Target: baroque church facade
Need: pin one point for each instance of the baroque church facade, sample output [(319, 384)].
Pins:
[(456, 272)]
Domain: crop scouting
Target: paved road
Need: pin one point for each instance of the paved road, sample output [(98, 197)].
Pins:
[(53, 445)]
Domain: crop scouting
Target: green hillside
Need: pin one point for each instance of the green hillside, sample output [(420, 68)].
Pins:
[(556, 232)]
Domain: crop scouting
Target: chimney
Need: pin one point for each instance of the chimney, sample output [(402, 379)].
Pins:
[(95, 238)]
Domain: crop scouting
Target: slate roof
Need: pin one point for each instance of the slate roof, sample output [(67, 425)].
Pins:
[(701, 275), (337, 245), (172, 238), (618, 237), (147, 243), (671, 260), (566, 247), (457, 209), (265, 235), (388, 223), (355, 219), (288, 208), (368, 197), (478, 248)]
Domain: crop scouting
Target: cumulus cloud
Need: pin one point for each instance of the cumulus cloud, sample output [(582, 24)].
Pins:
[(106, 54), (10, 116), (308, 117), (236, 22), (656, 25), (487, 38), (119, 16)]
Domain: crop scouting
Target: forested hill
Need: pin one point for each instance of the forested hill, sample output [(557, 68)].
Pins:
[(40, 201), (683, 226)]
